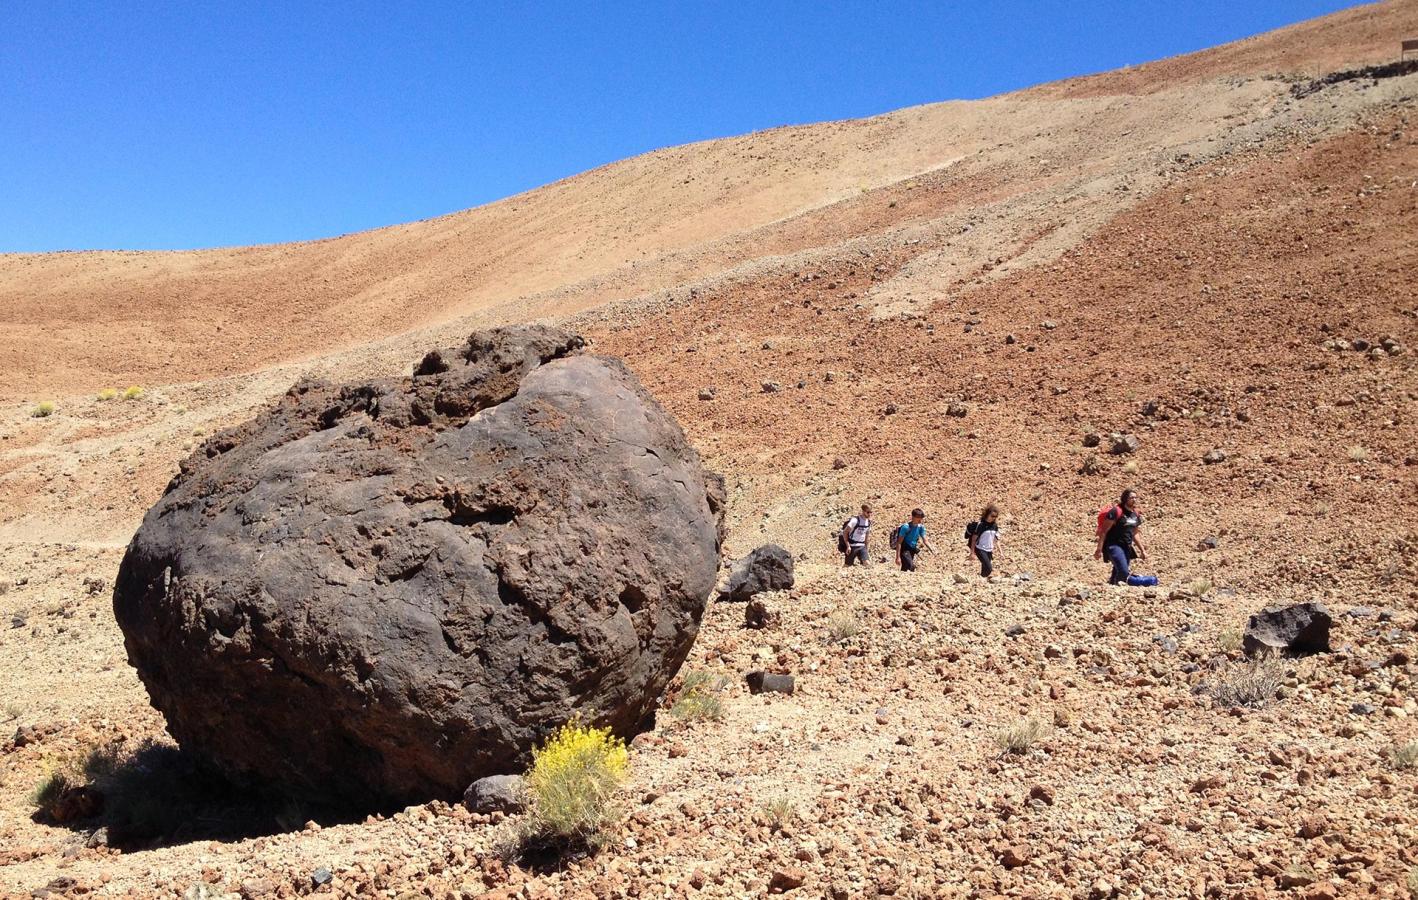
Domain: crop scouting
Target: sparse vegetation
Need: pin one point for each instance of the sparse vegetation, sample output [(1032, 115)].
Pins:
[(106, 394), (779, 813), (50, 788), (1404, 756), (1358, 454), (1253, 683), (1130, 467), (1020, 736), (42, 410), (133, 392), (572, 785), (12, 711), (842, 625), (1231, 640), (699, 698), (1200, 587)]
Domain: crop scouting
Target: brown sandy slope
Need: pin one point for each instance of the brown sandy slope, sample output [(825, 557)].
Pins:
[(73, 322), (1169, 263)]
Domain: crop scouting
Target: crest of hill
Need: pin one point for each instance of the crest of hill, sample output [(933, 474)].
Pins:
[(657, 224)]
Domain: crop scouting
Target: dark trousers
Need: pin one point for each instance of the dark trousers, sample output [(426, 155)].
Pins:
[(856, 553), (987, 561), (1118, 556), (908, 558)]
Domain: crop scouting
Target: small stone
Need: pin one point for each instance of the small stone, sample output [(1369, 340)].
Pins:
[(1043, 794), (496, 793), (771, 387), (959, 579), (1313, 826), (958, 410), (838, 464), (786, 879), (321, 877), (1214, 456), (1125, 443), (1015, 855), (757, 614), (1210, 542), (1092, 439), (760, 682), (1014, 630), (1363, 709), (707, 393)]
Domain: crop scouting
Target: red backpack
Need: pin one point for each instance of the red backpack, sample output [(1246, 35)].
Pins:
[(1107, 516)]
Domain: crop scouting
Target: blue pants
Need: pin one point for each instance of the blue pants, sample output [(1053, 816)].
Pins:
[(1121, 566)]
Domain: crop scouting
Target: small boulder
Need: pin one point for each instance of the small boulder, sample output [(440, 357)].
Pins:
[(1213, 456), (760, 682), (707, 393), (771, 387), (768, 568), (1092, 439), (958, 410), (1015, 855), (1210, 542), (496, 793), (1297, 628), (786, 879), (757, 614), (1125, 443)]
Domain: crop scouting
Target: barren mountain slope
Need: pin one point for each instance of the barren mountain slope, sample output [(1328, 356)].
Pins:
[(1017, 272), (72, 322)]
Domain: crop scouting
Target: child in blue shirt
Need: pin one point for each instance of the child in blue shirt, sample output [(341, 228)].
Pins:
[(910, 538)]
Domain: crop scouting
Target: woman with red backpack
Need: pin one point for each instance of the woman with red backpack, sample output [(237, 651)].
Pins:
[(1118, 540)]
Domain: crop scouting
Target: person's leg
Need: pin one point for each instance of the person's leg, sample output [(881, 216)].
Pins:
[(908, 559), (1119, 558), (987, 562)]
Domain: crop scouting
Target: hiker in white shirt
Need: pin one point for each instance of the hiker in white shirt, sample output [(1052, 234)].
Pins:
[(856, 531)]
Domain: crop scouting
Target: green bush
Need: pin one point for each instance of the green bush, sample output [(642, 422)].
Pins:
[(106, 394), (43, 409), (133, 393)]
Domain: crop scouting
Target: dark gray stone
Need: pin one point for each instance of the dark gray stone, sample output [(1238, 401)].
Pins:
[(768, 568), (321, 877), (765, 682), (1125, 443), (380, 592), (496, 793), (1298, 628)]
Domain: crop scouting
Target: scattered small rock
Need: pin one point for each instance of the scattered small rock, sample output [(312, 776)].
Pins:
[(757, 614), (1125, 443)]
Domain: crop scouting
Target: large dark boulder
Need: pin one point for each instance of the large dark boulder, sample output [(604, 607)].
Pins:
[(768, 568), (1298, 628), (380, 592)]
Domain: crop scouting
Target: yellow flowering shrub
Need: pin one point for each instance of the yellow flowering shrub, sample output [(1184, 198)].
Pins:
[(572, 783)]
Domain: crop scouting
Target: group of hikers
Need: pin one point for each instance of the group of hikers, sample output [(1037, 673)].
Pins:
[(1117, 539)]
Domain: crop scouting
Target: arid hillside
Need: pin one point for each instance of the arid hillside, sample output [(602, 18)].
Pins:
[(1209, 263)]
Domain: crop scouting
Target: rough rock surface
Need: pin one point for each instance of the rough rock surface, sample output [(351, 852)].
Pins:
[(385, 590), (767, 568), (496, 793), (1298, 628)]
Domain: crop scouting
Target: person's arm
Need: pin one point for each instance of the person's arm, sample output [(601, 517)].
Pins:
[(847, 531), (1137, 542), (925, 542), (970, 550)]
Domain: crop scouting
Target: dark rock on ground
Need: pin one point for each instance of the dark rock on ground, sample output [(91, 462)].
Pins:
[(768, 683), (768, 568), (1125, 443), (1298, 628), (380, 592), (495, 793), (1210, 542)]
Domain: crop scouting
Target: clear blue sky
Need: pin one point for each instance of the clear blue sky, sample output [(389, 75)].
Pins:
[(190, 124)]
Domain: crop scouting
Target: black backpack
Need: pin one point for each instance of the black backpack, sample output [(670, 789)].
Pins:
[(896, 535), (971, 530), (842, 546)]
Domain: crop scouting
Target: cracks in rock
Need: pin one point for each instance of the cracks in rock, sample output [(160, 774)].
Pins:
[(513, 597)]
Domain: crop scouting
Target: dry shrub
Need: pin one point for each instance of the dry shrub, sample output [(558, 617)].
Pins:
[(699, 698), (1020, 736), (133, 393), (842, 626), (1404, 756), (106, 394), (1252, 683), (42, 410)]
